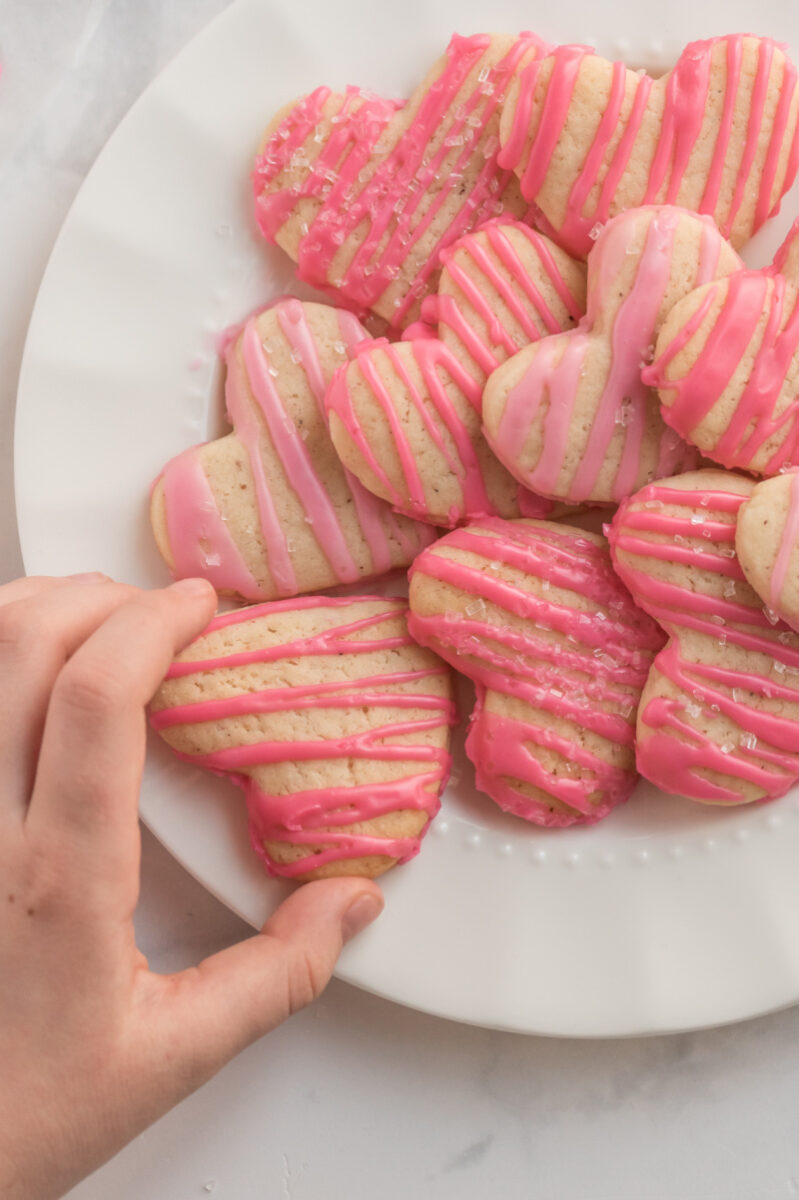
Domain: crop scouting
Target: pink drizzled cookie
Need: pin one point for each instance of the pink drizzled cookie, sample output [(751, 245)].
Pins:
[(767, 544), (364, 193), (405, 418), (268, 510), (534, 614), (501, 289), (719, 717), (569, 416), (329, 717), (718, 135), (727, 366)]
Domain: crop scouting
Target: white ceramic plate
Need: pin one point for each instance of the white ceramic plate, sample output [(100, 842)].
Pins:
[(668, 915)]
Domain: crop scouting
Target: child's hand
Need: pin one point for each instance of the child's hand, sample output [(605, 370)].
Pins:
[(93, 1047)]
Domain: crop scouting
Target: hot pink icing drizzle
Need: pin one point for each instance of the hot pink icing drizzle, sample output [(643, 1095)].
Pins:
[(746, 297), (433, 360), (516, 284), (673, 751), (555, 372), (399, 196), (197, 534), (322, 818), (674, 175), (592, 678)]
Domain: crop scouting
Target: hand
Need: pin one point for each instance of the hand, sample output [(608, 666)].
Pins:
[(94, 1046)]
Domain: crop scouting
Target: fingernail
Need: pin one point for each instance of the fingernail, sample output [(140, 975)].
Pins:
[(360, 914), (89, 577), (192, 587)]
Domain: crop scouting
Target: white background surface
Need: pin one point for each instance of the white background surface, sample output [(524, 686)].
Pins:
[(358, 1098)]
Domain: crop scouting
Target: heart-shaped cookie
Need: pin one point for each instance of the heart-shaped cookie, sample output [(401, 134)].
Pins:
[(719, 716), (534, 614), (364, 193), (717, 134), (501, 288), (268, 510), (569, 416), (727, 366), (767, 544), (332, 720), (405, 418)]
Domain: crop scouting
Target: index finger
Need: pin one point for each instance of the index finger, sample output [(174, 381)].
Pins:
[(84, 806)]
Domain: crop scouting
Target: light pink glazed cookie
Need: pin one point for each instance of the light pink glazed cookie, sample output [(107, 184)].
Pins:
[(329, 717), (569, 416), (364, 193), (719, 716), (534, 614), (268, 510), (727, 366), (767, 544), (405, 418), (718, 134)]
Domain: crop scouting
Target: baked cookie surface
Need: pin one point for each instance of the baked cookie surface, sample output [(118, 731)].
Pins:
[(331, 719), (767, 544), (533, 613)]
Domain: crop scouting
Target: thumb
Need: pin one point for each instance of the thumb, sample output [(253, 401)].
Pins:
[(216, 1009)]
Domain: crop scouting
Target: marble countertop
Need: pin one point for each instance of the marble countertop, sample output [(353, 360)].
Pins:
[(356, 1097)]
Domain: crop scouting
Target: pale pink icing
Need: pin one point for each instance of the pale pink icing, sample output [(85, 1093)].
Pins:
[(557, 368), (322, 818), (397, 194), (198, 537), (788, 543), (609, 646), (672, 174), (673, 752), (200, 542), (746, 297)]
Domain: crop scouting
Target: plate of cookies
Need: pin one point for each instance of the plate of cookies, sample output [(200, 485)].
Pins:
[(463, 359)]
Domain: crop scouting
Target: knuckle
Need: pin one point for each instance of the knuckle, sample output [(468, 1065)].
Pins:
[(16, 628), (306, 981), (90, 690)]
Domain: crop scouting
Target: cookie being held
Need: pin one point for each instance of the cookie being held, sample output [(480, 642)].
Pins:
[(767, 544), (405, 418), (268, 511), (589, 138), (570, 416), (329, 717), (719, 716), (533, 612), (364, 193), (727, 366)]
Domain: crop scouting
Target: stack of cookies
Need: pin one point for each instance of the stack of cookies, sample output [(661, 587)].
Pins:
[(538, 321)]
